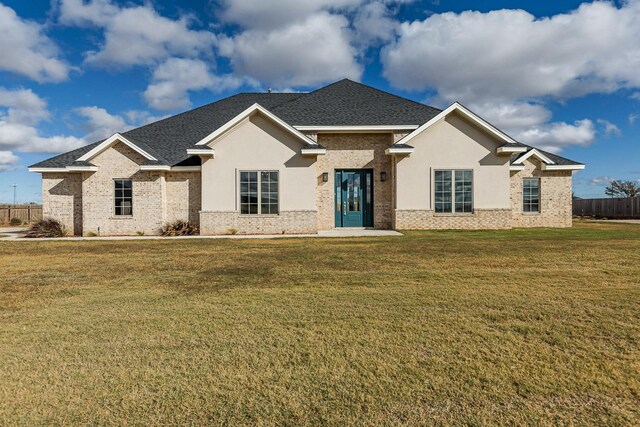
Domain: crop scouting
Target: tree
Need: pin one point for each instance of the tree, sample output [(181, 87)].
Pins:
[(621, 188)]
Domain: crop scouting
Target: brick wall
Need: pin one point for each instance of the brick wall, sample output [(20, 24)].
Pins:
[(354, 151), (555, 197), (183, 196), (427, 220), (62, 199), (288, 222), (121, 161)]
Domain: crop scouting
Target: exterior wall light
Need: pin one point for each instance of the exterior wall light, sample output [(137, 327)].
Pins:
[(383, 176), (325, 176)]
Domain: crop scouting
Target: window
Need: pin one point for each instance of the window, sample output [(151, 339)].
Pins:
[(531, 195), (259, 193), (123, 197), (453, 191)]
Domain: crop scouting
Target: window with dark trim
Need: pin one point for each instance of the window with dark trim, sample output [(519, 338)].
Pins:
[(123, 197), (531, 195), (259, 193), (453, 191)]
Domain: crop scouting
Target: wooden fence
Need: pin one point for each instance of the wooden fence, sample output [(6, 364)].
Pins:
[(26, 213), (608, 208)]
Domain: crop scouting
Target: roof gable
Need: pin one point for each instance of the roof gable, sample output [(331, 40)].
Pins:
[(468, 114), (256, 108), (141, 149)]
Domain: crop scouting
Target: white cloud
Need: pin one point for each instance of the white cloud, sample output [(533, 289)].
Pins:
[(556, 136), (509, 54), (22, 111), (8, 161), (82, 13), (609, 128), (273, 14), (374, 24), (174, 78), (100, 124), (600, 180), (135, 35), (633, 117), (22, 106), (530, 123), (506, 64), (304, 53), (26, 50), (141, 118)]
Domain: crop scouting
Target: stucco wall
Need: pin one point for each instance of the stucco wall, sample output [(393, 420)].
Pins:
[(555, 197), (453, 143), (258, 144), (62, 199), (354, 151), (98, 194)]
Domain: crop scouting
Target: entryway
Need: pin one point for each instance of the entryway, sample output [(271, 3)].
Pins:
[(354, 198)]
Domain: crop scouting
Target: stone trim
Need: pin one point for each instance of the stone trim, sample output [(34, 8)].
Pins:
[(287, 222), (480, 219)]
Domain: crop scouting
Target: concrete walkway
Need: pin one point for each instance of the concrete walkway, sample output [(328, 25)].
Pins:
[(11, 233), (14, 234), (621, 221)]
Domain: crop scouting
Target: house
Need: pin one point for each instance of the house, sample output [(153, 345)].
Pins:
[(345, 155)]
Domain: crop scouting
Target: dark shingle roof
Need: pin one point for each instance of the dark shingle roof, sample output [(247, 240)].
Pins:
[(65, 159), (168, 139), (347, 103), (344, 103)]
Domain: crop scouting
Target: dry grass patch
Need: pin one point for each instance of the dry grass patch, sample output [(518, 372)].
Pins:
[(449, 328)]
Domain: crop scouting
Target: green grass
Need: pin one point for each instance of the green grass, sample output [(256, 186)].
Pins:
[(535, 327)]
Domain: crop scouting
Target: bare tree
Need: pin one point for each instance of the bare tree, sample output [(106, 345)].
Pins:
[(621, 188)]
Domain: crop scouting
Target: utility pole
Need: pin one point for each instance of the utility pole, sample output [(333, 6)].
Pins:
[(14, 192)]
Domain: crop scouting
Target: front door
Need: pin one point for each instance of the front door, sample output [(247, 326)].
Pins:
[(354, 198)]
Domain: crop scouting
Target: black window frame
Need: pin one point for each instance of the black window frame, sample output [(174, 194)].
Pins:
[(122, 192)]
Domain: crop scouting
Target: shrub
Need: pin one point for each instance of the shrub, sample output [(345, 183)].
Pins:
[(179, 228), (47, 227), (15, 222), (231, 231), (140, 233), (90, 234)]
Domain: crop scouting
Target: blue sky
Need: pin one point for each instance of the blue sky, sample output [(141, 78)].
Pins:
[(560, 75)]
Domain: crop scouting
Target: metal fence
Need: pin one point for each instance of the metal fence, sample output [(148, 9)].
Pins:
[(608, 208), (25, 213)]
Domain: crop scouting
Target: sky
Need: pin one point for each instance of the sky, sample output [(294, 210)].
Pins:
[(561, 75)]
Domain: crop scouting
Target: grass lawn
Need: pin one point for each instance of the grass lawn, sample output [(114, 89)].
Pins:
[(446, 328)]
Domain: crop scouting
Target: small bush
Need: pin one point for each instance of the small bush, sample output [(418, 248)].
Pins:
[(231, 231), (179, 228), (140, 233), (90, 234), (47, 227), (15, 222)]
